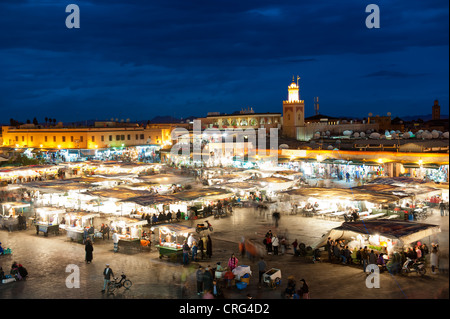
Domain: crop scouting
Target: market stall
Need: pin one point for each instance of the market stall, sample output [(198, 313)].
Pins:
[(322, 202), (111, 201), (129, 231), (153, 204), (164, 182), (199, 198), (47, 220), (171, 239), (60, 193), (12, 215), (74, 223), (384, 235)]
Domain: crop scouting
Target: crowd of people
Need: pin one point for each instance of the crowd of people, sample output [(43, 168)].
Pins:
[(195, 249), (392, 261), (275, 245)]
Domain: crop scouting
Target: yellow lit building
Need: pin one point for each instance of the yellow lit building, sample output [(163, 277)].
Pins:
[(29, 136)]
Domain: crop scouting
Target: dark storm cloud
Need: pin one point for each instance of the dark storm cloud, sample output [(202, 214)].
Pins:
[(139, 56)]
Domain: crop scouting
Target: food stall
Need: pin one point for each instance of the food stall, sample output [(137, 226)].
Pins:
[(74, 224), (163, 183), (171, 239), (10, 215), (129, 231), (47, 220), (384, 235), (333, 202), (152, 204), (194, 201)]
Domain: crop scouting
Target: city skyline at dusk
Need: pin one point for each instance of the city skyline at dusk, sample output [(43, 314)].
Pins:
[(136, 60)]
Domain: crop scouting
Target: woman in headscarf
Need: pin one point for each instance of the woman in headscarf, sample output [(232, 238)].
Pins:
[(89, 249)]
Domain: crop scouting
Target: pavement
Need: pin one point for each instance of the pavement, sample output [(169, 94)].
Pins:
[(50, 262)]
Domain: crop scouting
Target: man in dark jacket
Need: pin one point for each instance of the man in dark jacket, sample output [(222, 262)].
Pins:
[(107, 275)]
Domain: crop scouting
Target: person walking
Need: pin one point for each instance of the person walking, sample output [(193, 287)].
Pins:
[(209, 247), (294, 246), (194, 251), (115, 238), (275, 244), (201, 247), (364, 257), (186, 251), (442, 208), (372, 258), (262, 265), (199, 275), (434, 258), (107, 275), (88, 248), (105, 232)]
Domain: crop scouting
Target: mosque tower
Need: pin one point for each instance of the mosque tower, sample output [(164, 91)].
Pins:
[(293, 111)]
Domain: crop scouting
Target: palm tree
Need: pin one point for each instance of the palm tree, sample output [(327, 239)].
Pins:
[(46, 120)]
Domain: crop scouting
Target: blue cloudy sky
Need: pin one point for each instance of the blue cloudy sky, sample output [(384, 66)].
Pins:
[(139, 59)]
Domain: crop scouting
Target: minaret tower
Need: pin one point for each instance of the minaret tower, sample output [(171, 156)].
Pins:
[(293, 110)]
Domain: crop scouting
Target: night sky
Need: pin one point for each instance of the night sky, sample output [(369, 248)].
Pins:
[(138, 59)]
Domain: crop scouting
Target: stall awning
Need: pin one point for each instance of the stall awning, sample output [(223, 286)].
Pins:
[(204, 193), (349, 194), (117, 193), (151, 200), (405, 231)]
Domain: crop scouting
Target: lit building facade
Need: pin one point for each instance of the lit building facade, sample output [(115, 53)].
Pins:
[(83, 137), (244, 120)]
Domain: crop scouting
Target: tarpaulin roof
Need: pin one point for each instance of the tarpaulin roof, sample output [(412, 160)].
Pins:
[(165, 179), (405, 231), (152, 199), (204, 193), (350, 194), (239, 185), (117, 192), (58, 185)]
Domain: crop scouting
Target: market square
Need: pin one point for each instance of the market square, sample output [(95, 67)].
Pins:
[(251, 153)]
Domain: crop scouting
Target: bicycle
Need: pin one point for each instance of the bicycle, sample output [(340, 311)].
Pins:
[(116, 284)]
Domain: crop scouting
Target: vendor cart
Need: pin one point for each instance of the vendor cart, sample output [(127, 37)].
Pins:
[(171, 239), (272, 277)]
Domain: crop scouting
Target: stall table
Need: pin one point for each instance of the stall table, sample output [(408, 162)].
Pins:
[(75, 234), (46, 229), (130, 244)]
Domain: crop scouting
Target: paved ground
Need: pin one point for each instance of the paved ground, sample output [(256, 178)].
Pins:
[(46, 259)]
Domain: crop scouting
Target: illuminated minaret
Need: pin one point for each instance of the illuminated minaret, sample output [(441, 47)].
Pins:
[(293, 110)]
